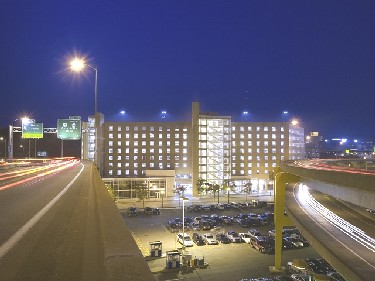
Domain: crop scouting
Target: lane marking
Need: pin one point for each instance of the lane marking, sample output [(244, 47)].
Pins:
[(13, 240)]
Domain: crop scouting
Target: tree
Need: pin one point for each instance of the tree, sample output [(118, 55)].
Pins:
[(201, 186), (216, 188), (229, 185), (247, 187), (180, 191), (141, 190)]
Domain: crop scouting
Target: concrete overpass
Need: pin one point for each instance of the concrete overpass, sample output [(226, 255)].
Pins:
[(352, 259)]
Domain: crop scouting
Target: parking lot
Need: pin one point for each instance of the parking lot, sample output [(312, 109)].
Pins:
[(233, 261)]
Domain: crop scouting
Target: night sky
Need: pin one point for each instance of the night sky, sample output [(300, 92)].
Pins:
[(315, 59)]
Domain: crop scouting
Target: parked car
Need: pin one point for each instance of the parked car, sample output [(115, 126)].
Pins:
[(300, 277), (210, 239), (245, 237), (262, 244), (184, 239), (254, 232), (152, 211), (132, 212), (283, 278), (234, 237), (335, 276), (299, 266), (222, 238), (198, 239)]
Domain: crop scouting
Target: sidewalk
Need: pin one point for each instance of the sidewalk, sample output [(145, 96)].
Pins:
[(175, 202)]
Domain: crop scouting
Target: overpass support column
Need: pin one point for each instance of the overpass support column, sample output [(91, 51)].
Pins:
[(281, 180)]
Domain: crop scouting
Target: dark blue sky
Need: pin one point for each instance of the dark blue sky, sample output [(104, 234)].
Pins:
[(315, 59)]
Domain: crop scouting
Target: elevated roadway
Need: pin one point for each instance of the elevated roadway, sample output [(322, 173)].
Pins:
[(65, 226), (343, 235)]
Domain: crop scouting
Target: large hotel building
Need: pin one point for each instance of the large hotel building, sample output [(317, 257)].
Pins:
[(211, 147)]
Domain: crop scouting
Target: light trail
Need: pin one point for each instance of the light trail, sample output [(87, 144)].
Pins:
[(350, 230)]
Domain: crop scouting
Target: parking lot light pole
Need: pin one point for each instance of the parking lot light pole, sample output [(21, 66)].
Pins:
[(162, 198), (183, 221)]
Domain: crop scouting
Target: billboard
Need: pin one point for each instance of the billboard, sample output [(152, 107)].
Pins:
[(31, 130), (69, 129)]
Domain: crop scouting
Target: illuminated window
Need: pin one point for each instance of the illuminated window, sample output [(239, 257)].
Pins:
[(110, 136), (118, 150), (127, 136), (273, 129), (266, 129), (110, 143), (110, 172), (135, 157), (119, 172), (127, 150), (249, 158), (152, 143), (110, 157), (249, 150), (176, 143), (152, 165), (258, 129), (177, 150), (110, 164), (168, 143), (266, 143), (110, 128), (126, 172), (249, 129), (160, 143), (143, 136), (144, 150), (119, 128), (135, 165), (249, 143), (265, 136), (176, 136), (119, 136), (184, 165), (127, 128), (135, 150), (118, 157), (168, 136), (184, 143), (119, 143), (136, 128), (160, 150)]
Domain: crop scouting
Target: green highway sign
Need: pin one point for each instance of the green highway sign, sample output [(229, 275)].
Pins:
[(32, 130), (69, 129)]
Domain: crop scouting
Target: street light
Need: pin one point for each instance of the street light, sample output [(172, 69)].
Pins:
[(183, 220), (162, 198), (5, 146), (78, 65)]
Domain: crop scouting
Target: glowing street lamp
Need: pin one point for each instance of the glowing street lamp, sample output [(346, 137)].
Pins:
[(294, 122), (78, 65), (183, 220)]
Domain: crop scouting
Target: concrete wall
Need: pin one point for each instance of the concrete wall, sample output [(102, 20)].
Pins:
[(355, 188)]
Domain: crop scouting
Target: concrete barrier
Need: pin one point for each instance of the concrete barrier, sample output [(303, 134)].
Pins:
[(122, 258)]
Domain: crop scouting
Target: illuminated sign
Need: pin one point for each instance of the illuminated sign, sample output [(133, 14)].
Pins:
[(31, 130), (69, 129)]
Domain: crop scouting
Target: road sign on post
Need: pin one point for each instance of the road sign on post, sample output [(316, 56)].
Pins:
[(31, 130), (69, 129)]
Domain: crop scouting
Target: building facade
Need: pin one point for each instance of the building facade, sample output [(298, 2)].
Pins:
[(210, 147)]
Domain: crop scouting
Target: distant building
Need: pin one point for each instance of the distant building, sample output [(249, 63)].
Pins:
[(313, 145), (347, 148), (210, 147)]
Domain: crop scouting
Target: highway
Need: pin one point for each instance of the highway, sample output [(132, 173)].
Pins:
[(346, 235), (47, 225)]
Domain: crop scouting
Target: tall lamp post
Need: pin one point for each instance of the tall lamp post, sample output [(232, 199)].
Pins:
[(5, 146), (78, 65), (162, 192), (183, 221)]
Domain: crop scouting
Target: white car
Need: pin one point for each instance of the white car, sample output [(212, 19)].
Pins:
[(245, 237), (234, 237), (210, 239), (184, 239)]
